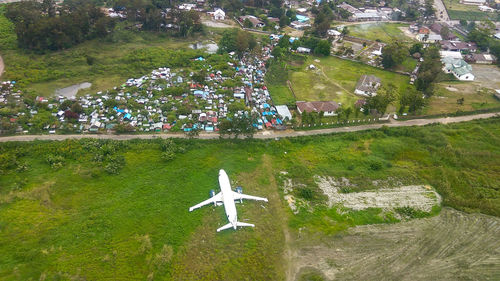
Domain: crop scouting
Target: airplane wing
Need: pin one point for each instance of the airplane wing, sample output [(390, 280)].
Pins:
[(238, 196), (215, 199)]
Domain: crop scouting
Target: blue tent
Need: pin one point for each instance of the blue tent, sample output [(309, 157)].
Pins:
[(127, 116)]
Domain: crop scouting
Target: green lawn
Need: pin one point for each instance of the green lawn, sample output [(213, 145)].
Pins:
[(385, 32), (448, 93), (458, 11), (335, 79)]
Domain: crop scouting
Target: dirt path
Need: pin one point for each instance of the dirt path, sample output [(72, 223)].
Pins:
[(263, 134), (451, 246), (2, 66)]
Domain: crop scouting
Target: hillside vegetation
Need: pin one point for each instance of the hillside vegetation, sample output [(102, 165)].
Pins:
[(96, 209)]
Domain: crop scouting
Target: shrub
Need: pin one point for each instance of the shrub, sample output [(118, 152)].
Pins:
[(55, 161)]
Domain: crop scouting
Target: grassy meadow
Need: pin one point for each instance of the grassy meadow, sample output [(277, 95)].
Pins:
[(448, 93), (96, 209), (459, 11), (335, 79), (385, 32)]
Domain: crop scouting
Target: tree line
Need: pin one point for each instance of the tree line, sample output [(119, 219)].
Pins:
[(47, 26)]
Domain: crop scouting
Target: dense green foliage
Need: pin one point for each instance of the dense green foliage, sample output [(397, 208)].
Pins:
[(237, 40), (394, 54), (98, 209), (45, 26), (7, 34)]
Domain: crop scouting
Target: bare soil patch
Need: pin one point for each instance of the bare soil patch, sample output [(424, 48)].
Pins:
[(450, 246), (415, 196)]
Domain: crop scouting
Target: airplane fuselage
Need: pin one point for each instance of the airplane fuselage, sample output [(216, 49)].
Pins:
[(228, 198)]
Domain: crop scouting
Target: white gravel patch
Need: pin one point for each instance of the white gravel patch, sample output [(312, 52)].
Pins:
[(419, 197)]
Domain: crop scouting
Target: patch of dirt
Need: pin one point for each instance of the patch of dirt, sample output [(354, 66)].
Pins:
[(210, 23), (415, 196), (406, 31), (451, 89), (486, 76), (451, 246)]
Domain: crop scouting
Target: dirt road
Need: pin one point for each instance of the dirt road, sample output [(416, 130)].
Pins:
[(1, 66), (263, 134), (441, 13)]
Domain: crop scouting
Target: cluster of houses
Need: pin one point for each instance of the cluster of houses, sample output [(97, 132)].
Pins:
[(456, 55), (146, 104)]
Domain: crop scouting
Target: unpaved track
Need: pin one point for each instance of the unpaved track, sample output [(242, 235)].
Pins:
[(451, 246), (2, 66), (264, 134)]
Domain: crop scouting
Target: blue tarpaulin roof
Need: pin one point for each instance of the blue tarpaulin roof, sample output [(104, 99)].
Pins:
[(128, 116), (302, 18)]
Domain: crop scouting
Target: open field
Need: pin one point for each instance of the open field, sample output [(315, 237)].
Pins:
[(103, 62), (458, 11), (385, 32), (97, 209), (335, 79), (477, 94), (450, 246)]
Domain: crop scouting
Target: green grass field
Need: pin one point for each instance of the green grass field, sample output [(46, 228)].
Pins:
[(458, 11), (447, 94), (385, 32), (62, 216), (335, 79)]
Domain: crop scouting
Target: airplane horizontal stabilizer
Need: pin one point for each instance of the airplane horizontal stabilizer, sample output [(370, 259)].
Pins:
[(244, 224), (227, 226)]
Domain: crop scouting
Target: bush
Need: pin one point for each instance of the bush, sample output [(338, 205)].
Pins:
[(115, 164), (168, 155), (55, 161)]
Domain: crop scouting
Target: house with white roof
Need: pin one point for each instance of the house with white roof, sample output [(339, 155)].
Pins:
[(473, 2), (219, 14)]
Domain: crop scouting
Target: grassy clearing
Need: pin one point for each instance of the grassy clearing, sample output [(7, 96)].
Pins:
[(68, 218), (385, 32), (335, 79), (458, 11), (45, 73), (448, 93)]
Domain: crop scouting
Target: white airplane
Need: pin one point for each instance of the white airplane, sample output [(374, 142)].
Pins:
[(227, 197)]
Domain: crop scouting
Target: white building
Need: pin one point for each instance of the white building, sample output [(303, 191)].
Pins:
[(284, 112), (473, 2), (459, 68), (303, 50), (219, 14), (450, 54), (483, 8), (335, 34)]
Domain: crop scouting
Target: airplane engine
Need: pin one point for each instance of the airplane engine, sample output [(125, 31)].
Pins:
[(212, 194), (239, 189)]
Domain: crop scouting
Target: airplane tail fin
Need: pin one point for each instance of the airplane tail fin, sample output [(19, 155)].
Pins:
[(244, 224), (227, 226)]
